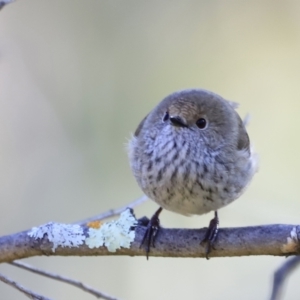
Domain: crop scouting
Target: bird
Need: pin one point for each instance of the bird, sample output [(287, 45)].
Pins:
[(191, 155)]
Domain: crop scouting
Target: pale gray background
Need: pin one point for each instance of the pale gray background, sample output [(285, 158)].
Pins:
[(76, 77)]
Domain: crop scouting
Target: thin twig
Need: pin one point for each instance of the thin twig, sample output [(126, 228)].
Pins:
[(281, 274), (63, 279), (28, 293), (114, 212)]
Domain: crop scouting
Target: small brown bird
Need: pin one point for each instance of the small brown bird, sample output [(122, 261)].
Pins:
[(191, 155)]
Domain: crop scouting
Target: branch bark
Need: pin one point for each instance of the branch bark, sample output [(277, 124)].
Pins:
[(277, 240)]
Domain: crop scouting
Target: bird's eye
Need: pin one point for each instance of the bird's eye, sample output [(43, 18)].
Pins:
[(166, 117), (201, 123)]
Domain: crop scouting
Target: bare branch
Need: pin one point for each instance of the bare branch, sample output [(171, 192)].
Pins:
[(281, 274), (28, 293), (278, 240), (63, 279), (114, 212), (5, 2)]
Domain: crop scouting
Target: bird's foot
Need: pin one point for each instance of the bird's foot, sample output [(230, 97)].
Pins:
[(211, 234), (151, 232)]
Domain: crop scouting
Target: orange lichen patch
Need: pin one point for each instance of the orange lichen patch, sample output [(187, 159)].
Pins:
[(292, 244), (94, 224)]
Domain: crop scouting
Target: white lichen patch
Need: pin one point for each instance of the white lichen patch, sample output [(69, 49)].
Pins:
[(63, 235), (292, 242), (114, 234)]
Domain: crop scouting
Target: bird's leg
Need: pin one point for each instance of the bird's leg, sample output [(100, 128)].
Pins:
[(151, 232), (211, 234)]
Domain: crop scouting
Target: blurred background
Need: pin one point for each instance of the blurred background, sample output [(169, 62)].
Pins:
[(76, 78)]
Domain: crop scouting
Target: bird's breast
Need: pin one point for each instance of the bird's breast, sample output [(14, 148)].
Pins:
[(186, 178)]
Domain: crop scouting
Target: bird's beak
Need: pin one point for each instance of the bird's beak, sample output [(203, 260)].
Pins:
[(177, 121)]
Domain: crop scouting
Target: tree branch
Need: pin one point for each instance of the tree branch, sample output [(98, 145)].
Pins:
[(278, 240), (70, 281), (28, 293), (5, 2), (281, 275)]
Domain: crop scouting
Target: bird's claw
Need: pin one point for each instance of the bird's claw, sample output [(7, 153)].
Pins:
[(211, 235), (151, 232)]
